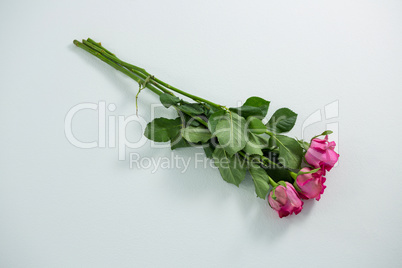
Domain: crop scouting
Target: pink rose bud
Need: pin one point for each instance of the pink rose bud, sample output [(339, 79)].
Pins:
[(321, 153), (286, 200), (311, 185)]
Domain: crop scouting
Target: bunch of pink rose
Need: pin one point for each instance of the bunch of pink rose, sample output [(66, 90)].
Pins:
[(236, 139), (285, 198)]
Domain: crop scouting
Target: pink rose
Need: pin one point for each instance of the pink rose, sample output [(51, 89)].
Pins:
[(312, 184), (321, 153), (286, 200)]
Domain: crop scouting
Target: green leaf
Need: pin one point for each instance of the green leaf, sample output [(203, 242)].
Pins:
[(209, 149), (231, 132), (168, 100), (196, 134), (282, 120), (305, 145), (246, 111), (191, 108), (163, 129), (256, 126), (232, 169), (260, 178), (290, 152), (188, 120), (262, 104), (214, 119), (179, 142), (272, 145), (254, 106), (325, 133), (255, 144), (209, 110)]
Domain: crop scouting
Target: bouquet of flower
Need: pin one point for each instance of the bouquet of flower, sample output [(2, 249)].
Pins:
[(237, 140)]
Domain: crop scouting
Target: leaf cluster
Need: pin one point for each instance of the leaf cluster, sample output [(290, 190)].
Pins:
[(236, 138)]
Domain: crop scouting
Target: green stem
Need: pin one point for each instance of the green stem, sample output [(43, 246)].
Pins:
[(99, 48), (99, 45), (115, 65), (135, 76), (136, 70), (272, 182), (293, 175), (193, 97), (198, 119)]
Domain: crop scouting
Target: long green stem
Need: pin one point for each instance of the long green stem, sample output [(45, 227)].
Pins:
[(136, 70), (99, 45), (91, 48), (128, 65), (115, 65), (99, 48), (193, 97)]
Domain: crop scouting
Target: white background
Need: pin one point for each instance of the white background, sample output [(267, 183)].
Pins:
[(61, 206)]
